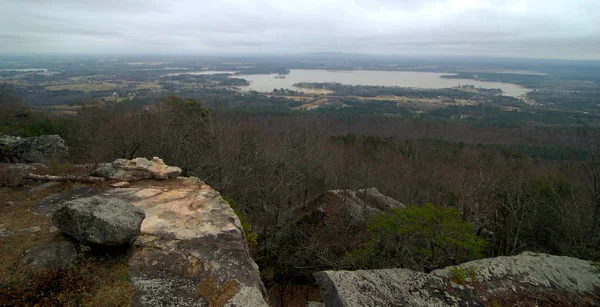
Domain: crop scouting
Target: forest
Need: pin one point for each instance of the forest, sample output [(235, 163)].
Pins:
[(499, 190)]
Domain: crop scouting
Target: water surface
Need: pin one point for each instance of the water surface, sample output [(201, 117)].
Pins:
[(268, 82)]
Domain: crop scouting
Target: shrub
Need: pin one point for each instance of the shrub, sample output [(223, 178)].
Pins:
[(459, 275), (418, 237), (251, 237)]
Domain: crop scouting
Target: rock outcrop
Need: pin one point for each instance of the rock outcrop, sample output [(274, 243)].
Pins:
[(137, 169), (56, 256), (527, 279), (363, 202), (99, 221), (322, 231), (40, 149), (12, 175), (191, 250)]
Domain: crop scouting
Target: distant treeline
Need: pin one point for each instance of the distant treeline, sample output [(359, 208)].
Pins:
[(376, 90), (222, 79), (568, 100), (529, 81), (563, 80)]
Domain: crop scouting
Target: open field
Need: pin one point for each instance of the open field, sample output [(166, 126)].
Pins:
[(313, 104), (84, 87), (404, 99), (148, 85), (101, 86)]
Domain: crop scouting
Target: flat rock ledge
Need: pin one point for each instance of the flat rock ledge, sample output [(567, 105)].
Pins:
[(137, 169), (191, 250), (528, 279)]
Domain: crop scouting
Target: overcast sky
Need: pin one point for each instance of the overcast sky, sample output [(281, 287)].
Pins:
[(519, 28)]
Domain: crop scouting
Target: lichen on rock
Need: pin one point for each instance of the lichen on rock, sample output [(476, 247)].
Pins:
[(99, 221), (494, 281)]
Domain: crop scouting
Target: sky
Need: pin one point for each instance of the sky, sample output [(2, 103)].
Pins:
[(562, 29)]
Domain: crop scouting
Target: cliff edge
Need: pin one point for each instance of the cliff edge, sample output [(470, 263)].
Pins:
[(528, 279), (191, 249)]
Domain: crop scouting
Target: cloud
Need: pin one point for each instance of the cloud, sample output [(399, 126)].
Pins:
[(520, 28)]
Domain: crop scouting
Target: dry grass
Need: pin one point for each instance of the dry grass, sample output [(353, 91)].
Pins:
[(85, 87), (95, 279), (15, 218), (148, 85), (313, 104), (56, 169)]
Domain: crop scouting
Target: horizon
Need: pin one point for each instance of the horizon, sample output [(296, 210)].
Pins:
[(531, 29), (315, 54)]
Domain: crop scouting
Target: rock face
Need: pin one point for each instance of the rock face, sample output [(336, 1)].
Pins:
[(369, 201), (58, 255), (136, 169), (527, 279), (191, 250), (323, 230), (40, 149), (97, 220), (12, 175)]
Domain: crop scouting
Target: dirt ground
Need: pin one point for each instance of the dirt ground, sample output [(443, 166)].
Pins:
[(95, 279)]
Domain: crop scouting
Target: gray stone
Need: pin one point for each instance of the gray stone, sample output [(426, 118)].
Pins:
[(46, 206), (505, 281), (52, 229), (33, 229), (44, 186), (5, 232), (82, 248), (136, 169), (313, 235), (12, 175), (11, 203), (364, 201), (41, 149), (8, 140), (192, 249), (98, 220), (57, 255)]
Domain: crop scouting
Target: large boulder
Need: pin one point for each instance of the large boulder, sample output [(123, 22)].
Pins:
[(320, 233), (136, 169), (527, 279), (97, 220), (40, 149), (360, 203), (14, 174), (9, 141), (191, 250), (51, 256)]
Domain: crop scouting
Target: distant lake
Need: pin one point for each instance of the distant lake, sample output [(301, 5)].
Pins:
[(267, 82)]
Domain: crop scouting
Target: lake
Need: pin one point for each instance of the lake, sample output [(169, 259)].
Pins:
[(267, 82)]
